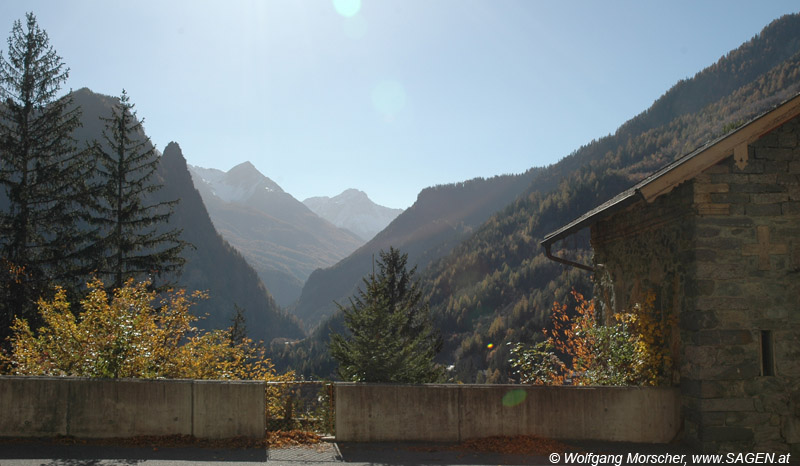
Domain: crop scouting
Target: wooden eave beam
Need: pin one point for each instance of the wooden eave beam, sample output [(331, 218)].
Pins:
[(713, 154)]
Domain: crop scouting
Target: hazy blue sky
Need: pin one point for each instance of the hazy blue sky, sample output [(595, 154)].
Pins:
[(387, 96)]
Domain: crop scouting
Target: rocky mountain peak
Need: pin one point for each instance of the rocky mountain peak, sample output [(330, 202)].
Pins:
[(238, 184), (353, 210)]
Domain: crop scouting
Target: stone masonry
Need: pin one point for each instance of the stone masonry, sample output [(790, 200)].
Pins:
[(722, 253)]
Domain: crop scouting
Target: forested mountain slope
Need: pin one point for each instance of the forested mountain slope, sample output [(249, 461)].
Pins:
[(212, 265), (438, 220), (278, 235), (498, 287)]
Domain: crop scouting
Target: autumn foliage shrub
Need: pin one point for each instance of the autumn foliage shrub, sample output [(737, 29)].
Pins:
[(632, 350), (135, 333)]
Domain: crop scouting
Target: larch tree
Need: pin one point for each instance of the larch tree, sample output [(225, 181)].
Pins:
[(135, 241), (42, 175), (391, 337)]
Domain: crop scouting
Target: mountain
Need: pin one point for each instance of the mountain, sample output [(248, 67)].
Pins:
[(353, 210), (497, 287), (510, 298), (238, 185), (440, 218), (282, 238), (212, 265)]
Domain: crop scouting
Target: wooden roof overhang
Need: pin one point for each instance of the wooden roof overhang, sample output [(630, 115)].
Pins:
[(685, 168)]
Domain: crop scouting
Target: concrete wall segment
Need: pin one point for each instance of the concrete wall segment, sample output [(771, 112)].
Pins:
[(33, 404), (447, 413), (96, 408), (234, 407)]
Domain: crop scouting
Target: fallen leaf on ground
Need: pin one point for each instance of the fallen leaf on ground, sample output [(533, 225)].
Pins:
[(515, 445)]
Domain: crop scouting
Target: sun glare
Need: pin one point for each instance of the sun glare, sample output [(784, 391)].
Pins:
[(347, 8)]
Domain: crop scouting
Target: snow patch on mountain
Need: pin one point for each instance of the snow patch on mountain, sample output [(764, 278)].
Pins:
[(237, 184), (354, 211)]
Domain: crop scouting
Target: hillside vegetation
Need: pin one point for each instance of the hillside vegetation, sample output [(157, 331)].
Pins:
[(441, 217), (497, 287), (240, 286)]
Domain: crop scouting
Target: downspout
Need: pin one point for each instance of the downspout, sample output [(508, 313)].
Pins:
[(550, 256), (620, 202)]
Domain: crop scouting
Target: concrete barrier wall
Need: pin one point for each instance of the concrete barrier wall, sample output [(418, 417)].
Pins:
[(229, 409), (92, 408), (374, 412)]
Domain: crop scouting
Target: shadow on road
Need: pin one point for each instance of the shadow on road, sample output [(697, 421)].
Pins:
[(426, 453), (88, 455)]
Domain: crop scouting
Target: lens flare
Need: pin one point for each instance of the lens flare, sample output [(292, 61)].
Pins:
[(347, 8), (389, 98), (490, 345), (514, 398)]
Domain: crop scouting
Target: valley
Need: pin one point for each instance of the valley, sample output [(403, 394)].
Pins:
[(281, 267)]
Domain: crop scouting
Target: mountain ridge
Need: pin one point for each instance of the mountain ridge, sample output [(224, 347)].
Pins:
[(353, 210), (510, 300), (237, 184), (438, 219), (496, 286), (239, 285), (279, 236)]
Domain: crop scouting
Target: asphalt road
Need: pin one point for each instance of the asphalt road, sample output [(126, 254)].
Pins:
[(35, 454), (30, 453)]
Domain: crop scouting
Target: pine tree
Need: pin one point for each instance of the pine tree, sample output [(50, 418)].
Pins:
[(391, 338), (134, 240), (42, 174), (238, 328)]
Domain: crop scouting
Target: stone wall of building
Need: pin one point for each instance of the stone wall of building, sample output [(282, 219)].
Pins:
[(741, 371), (647, 248), (722, 251)]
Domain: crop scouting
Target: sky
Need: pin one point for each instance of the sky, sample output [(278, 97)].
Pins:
[(387, 96)]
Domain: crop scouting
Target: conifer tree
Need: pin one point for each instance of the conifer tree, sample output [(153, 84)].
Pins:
[(391, 338), (42, 174), (134, 241)]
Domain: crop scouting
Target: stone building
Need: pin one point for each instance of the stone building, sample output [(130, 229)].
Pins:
[(716, 236)]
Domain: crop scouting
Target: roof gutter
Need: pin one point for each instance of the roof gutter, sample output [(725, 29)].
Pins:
[(616, 204), (564, 261), (685, 168)]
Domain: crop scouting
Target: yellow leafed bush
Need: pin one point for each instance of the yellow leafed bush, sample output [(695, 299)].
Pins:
[(134, 333)]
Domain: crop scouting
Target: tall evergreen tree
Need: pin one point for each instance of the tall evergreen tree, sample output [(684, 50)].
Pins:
[(391, 338), (42, 173), (134, 239)]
